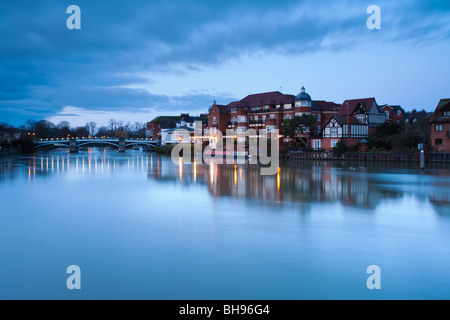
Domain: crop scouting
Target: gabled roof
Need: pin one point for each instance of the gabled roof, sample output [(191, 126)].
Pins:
[(344, 119), (393, 108), (321, 105), (443, 104), (349, 106)]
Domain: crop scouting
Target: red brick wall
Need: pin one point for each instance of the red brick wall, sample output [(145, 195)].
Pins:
[(440, 135)]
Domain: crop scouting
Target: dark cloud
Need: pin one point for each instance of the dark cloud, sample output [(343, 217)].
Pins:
[(44, 66)]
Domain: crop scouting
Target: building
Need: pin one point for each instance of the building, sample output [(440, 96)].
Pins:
[(343, 128), (394, 114), (352, 121), (154, 127), (414, 116), (365, 110), (184, 130), (268, 111), (440, 127)]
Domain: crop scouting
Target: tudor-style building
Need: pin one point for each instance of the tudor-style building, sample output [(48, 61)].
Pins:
[(365, 110), (347, 128), (440, 127)]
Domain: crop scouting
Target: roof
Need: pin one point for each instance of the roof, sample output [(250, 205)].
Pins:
[(324, 106), (180, 128), (443, 104), (161, 118), (416, 115), (349, 106), (303, 96), (262, 99), (394, 109), (344, 119), (192, 119)]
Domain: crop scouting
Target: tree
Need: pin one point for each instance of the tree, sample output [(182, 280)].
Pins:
[(112, 125), (104, 132), (42, 129), (81, 132), (91, 127), (299, 127), (63, 129)]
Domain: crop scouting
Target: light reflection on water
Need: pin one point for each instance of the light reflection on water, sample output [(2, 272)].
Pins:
[(166, 230)]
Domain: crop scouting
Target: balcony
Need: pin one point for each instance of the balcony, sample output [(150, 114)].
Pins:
[(256, 122), (316, 135)]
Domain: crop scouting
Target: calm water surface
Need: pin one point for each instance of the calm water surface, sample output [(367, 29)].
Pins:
[(141, 227)]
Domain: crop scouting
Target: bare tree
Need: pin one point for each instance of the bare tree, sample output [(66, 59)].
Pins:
[(91, 127), (112, 125)]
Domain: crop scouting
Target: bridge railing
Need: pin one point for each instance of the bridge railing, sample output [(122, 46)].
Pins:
[(94, 138)]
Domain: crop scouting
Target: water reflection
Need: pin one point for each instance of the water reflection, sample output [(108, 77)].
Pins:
[(303, 183)]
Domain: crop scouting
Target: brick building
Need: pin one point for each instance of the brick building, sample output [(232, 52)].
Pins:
[(268, 111), (440, 127)]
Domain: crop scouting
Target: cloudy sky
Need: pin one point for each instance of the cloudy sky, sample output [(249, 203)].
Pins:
[(134, 60)]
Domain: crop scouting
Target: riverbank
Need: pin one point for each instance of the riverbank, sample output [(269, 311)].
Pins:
[(369, 156), (9, 151)]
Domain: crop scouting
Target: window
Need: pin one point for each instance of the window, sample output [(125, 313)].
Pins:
[(387, 114), (242, 119), (270, 129), (317, 144), (272, 116), (439, 127), (334, 143), (264, 118), (319, 117), (399, 113), (334, 131), (446, 113), (288, 116), (288, 106), (214, 120), (345, 131), (319, 128), (234, 110), (438, 142)]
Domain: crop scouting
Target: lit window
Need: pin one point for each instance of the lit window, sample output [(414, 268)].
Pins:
[(334, 131), (333, 143)]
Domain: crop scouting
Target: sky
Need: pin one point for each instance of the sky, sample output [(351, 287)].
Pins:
[(135, 60)]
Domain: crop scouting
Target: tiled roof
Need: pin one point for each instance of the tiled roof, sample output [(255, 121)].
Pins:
[(263, 99), (435, 117), (349, 106), (324, 106), (344, 119)]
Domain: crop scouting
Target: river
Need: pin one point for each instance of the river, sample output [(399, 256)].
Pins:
[(142, 227)]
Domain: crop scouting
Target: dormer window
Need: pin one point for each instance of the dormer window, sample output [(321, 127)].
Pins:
[(446, 113)]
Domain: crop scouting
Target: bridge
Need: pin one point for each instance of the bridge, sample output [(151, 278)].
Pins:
[(74, 143)]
